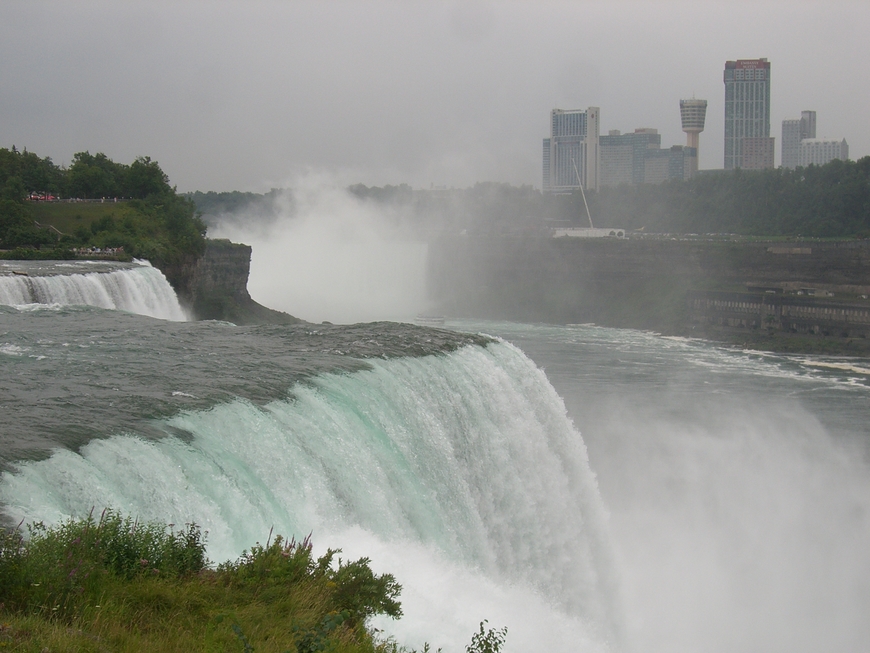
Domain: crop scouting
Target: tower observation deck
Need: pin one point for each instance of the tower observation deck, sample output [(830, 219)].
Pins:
[(693, 113)]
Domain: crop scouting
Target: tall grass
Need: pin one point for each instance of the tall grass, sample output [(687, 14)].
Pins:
[(115, 584)]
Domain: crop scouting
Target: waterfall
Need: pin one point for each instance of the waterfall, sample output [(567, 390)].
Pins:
[(461, 471), (141, 289)]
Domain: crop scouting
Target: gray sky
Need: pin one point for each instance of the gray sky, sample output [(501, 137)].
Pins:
[(249, 95)]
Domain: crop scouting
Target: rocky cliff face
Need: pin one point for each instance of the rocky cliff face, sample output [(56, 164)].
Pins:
[(215, 286), (627, 283)]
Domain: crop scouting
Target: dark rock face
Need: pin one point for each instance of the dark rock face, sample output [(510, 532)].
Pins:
[(215, 286), (635, 283)]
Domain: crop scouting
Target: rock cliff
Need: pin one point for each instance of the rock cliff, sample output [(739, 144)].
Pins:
[(215, 286)]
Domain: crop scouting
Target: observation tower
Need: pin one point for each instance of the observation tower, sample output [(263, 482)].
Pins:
[(693, 113)]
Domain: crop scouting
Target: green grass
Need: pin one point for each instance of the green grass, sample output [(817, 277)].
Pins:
[(112, 584), (67, 216)]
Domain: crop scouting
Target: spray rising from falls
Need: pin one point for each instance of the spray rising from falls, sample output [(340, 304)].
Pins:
[(332, 256), (141, 289), (463, 470)]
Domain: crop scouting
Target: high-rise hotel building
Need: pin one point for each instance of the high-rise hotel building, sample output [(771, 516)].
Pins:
[(748, 143), (571, 154)]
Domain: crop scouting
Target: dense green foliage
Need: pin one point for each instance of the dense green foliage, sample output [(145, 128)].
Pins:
[(53, 570), (153, 222), (90, 176), (115, 584), (829, 201)]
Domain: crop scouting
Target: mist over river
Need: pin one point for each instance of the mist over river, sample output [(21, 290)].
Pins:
[(592, 489)]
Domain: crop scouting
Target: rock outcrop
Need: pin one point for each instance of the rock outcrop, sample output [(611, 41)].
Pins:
[(215, 286)]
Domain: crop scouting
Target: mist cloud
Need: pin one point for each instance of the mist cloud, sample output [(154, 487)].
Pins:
[(329, 256)]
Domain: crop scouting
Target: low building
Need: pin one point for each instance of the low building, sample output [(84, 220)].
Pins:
[(819, 151), (588, 232), (637, 158), (676, 162), (623, 156)]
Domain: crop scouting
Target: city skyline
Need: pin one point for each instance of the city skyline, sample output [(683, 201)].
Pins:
[(258, 95)]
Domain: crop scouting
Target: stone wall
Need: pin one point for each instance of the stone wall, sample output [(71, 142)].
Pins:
[(792, 314)]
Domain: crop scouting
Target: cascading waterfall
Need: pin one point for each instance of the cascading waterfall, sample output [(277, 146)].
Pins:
[(141, 289), (464, 465)]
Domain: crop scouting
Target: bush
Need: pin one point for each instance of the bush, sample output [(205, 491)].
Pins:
[(353, 588)]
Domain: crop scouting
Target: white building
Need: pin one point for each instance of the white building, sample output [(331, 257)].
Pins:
[(588, 232), (571, 155), (793, 132), (819, 151)]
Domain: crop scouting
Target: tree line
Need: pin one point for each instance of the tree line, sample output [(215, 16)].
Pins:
[(829, 201), (89, 176)]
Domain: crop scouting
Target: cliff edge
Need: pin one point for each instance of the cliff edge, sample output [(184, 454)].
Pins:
[(214, 286)]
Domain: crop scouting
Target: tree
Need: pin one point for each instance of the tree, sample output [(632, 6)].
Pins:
[(143, 178), (489, 641)]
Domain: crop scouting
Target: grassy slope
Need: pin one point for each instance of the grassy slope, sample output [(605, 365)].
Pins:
[(67, 216)]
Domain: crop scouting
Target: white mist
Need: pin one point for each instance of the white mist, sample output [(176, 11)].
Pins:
[(333, 258)]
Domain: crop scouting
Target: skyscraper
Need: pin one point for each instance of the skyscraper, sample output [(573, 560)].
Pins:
[(571, 154), (747, 113)]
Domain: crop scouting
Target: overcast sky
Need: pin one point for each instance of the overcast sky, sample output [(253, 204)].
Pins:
[(248, 95)]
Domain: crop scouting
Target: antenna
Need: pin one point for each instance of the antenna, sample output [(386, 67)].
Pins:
[(583, 193)]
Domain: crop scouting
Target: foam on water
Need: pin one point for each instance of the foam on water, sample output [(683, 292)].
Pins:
[(461, 474)]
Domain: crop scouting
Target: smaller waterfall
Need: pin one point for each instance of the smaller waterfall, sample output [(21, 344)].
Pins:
[(139, 289)]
